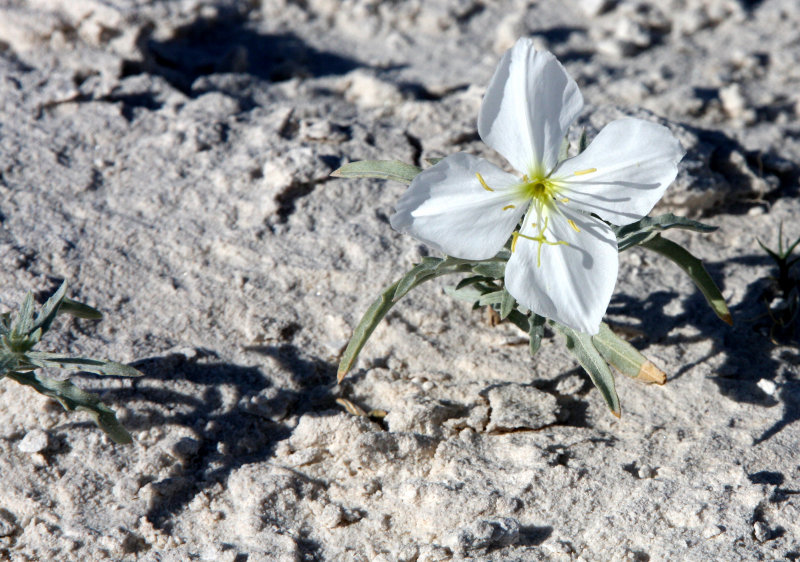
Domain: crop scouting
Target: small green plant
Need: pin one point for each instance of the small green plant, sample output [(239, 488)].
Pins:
[(783, 295), (19, 361), (541, 246)]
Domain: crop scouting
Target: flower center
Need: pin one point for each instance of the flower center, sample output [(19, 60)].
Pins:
[(540, 189), (543, 194)]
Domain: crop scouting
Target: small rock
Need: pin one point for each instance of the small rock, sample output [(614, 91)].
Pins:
[(332, 516), (733, 101), (35, 441), (181, 447), (767, 386), (369, 91), (646, 471), (761, 531), (485, 534)]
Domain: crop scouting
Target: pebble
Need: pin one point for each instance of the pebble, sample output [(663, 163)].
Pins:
[(768, 386), (761, 531), (485, 534), (35, 441)]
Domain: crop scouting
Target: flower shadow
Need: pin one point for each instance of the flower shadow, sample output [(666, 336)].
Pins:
[(753, 364), (752, 370)]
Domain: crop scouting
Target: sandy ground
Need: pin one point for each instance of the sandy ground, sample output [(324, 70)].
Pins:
[(172, 160)]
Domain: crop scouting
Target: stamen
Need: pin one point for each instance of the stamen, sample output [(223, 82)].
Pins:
[(542, 240), (507, 207), (584, 172), (572, 224), (483, 183), (564, 200)]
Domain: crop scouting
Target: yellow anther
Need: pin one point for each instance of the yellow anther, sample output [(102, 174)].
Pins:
[(483, 183), (572, 224), (564, 200), (507, 207), (584, 172)]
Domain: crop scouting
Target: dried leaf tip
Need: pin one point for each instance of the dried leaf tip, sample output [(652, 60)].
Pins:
[(650, 373)]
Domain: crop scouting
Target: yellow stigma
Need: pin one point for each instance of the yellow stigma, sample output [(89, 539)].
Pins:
[(540, 238), (483, 182), (584, 172)]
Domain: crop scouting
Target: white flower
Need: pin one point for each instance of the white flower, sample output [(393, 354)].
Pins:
[(564, 261)]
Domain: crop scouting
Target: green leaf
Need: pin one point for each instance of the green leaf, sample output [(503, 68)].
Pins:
[(433, 161), (429, 269), (471, 281), (694, 267), (563, 151), (642, 230), (581, 346), (380, 169), (45, 359), (492, 269), (23, 323), (507, 304), (469, 293), (495, 297), (79, 310), (519, 320), (536, 332), (416, 275), (625, 357), (8, 362), (49, 309), (73, 398), (582, 141)]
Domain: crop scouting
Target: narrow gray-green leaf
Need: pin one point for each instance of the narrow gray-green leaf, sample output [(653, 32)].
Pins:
[(694, 268), (625, 357), (583, 142), (642, 230), (493, 269), (8, 362), (495, 297), (79, 310), (49, 309), (468, 293), (536, 332), (471, 281), (563, 151), (407, 281), (383, 304), (46, 359), (581, 346), (73, 398), (23, 323), (379, 169), (433, 161), (507, 304)]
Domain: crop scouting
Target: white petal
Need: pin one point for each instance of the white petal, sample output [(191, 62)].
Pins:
[(633, 161), (447, 207), (574, 282), (528, 107)]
